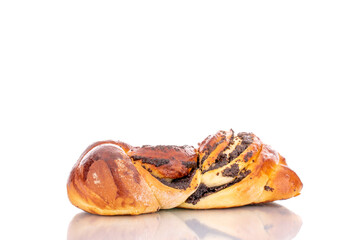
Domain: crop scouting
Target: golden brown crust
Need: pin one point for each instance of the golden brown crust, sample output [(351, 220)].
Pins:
[(210, 148), (228, 170), (283, 183), (267, 179), (104, 181), (169, 197), (166, 161)]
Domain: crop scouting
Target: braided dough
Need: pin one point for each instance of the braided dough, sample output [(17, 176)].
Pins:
[(227, 170)]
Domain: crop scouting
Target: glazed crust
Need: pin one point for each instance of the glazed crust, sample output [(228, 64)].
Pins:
[(166, 161), (268, 179), (105, 181), (228, 170), (169, 197)]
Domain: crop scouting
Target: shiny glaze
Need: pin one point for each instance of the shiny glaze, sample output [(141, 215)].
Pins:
[(166, 161), (212, 146), (106, 176)]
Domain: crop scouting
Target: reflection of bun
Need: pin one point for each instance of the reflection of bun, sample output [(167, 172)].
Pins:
[(157, 226), (266, 221), (90, 227), (228, 170)]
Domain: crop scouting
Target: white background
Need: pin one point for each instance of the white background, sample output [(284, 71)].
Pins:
[(173, 72)]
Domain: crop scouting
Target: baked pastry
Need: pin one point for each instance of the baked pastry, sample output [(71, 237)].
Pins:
[(228, 170), (114, 178), (238, 170)]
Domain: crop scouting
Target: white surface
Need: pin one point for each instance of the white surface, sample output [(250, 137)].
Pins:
[(166, 72)]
